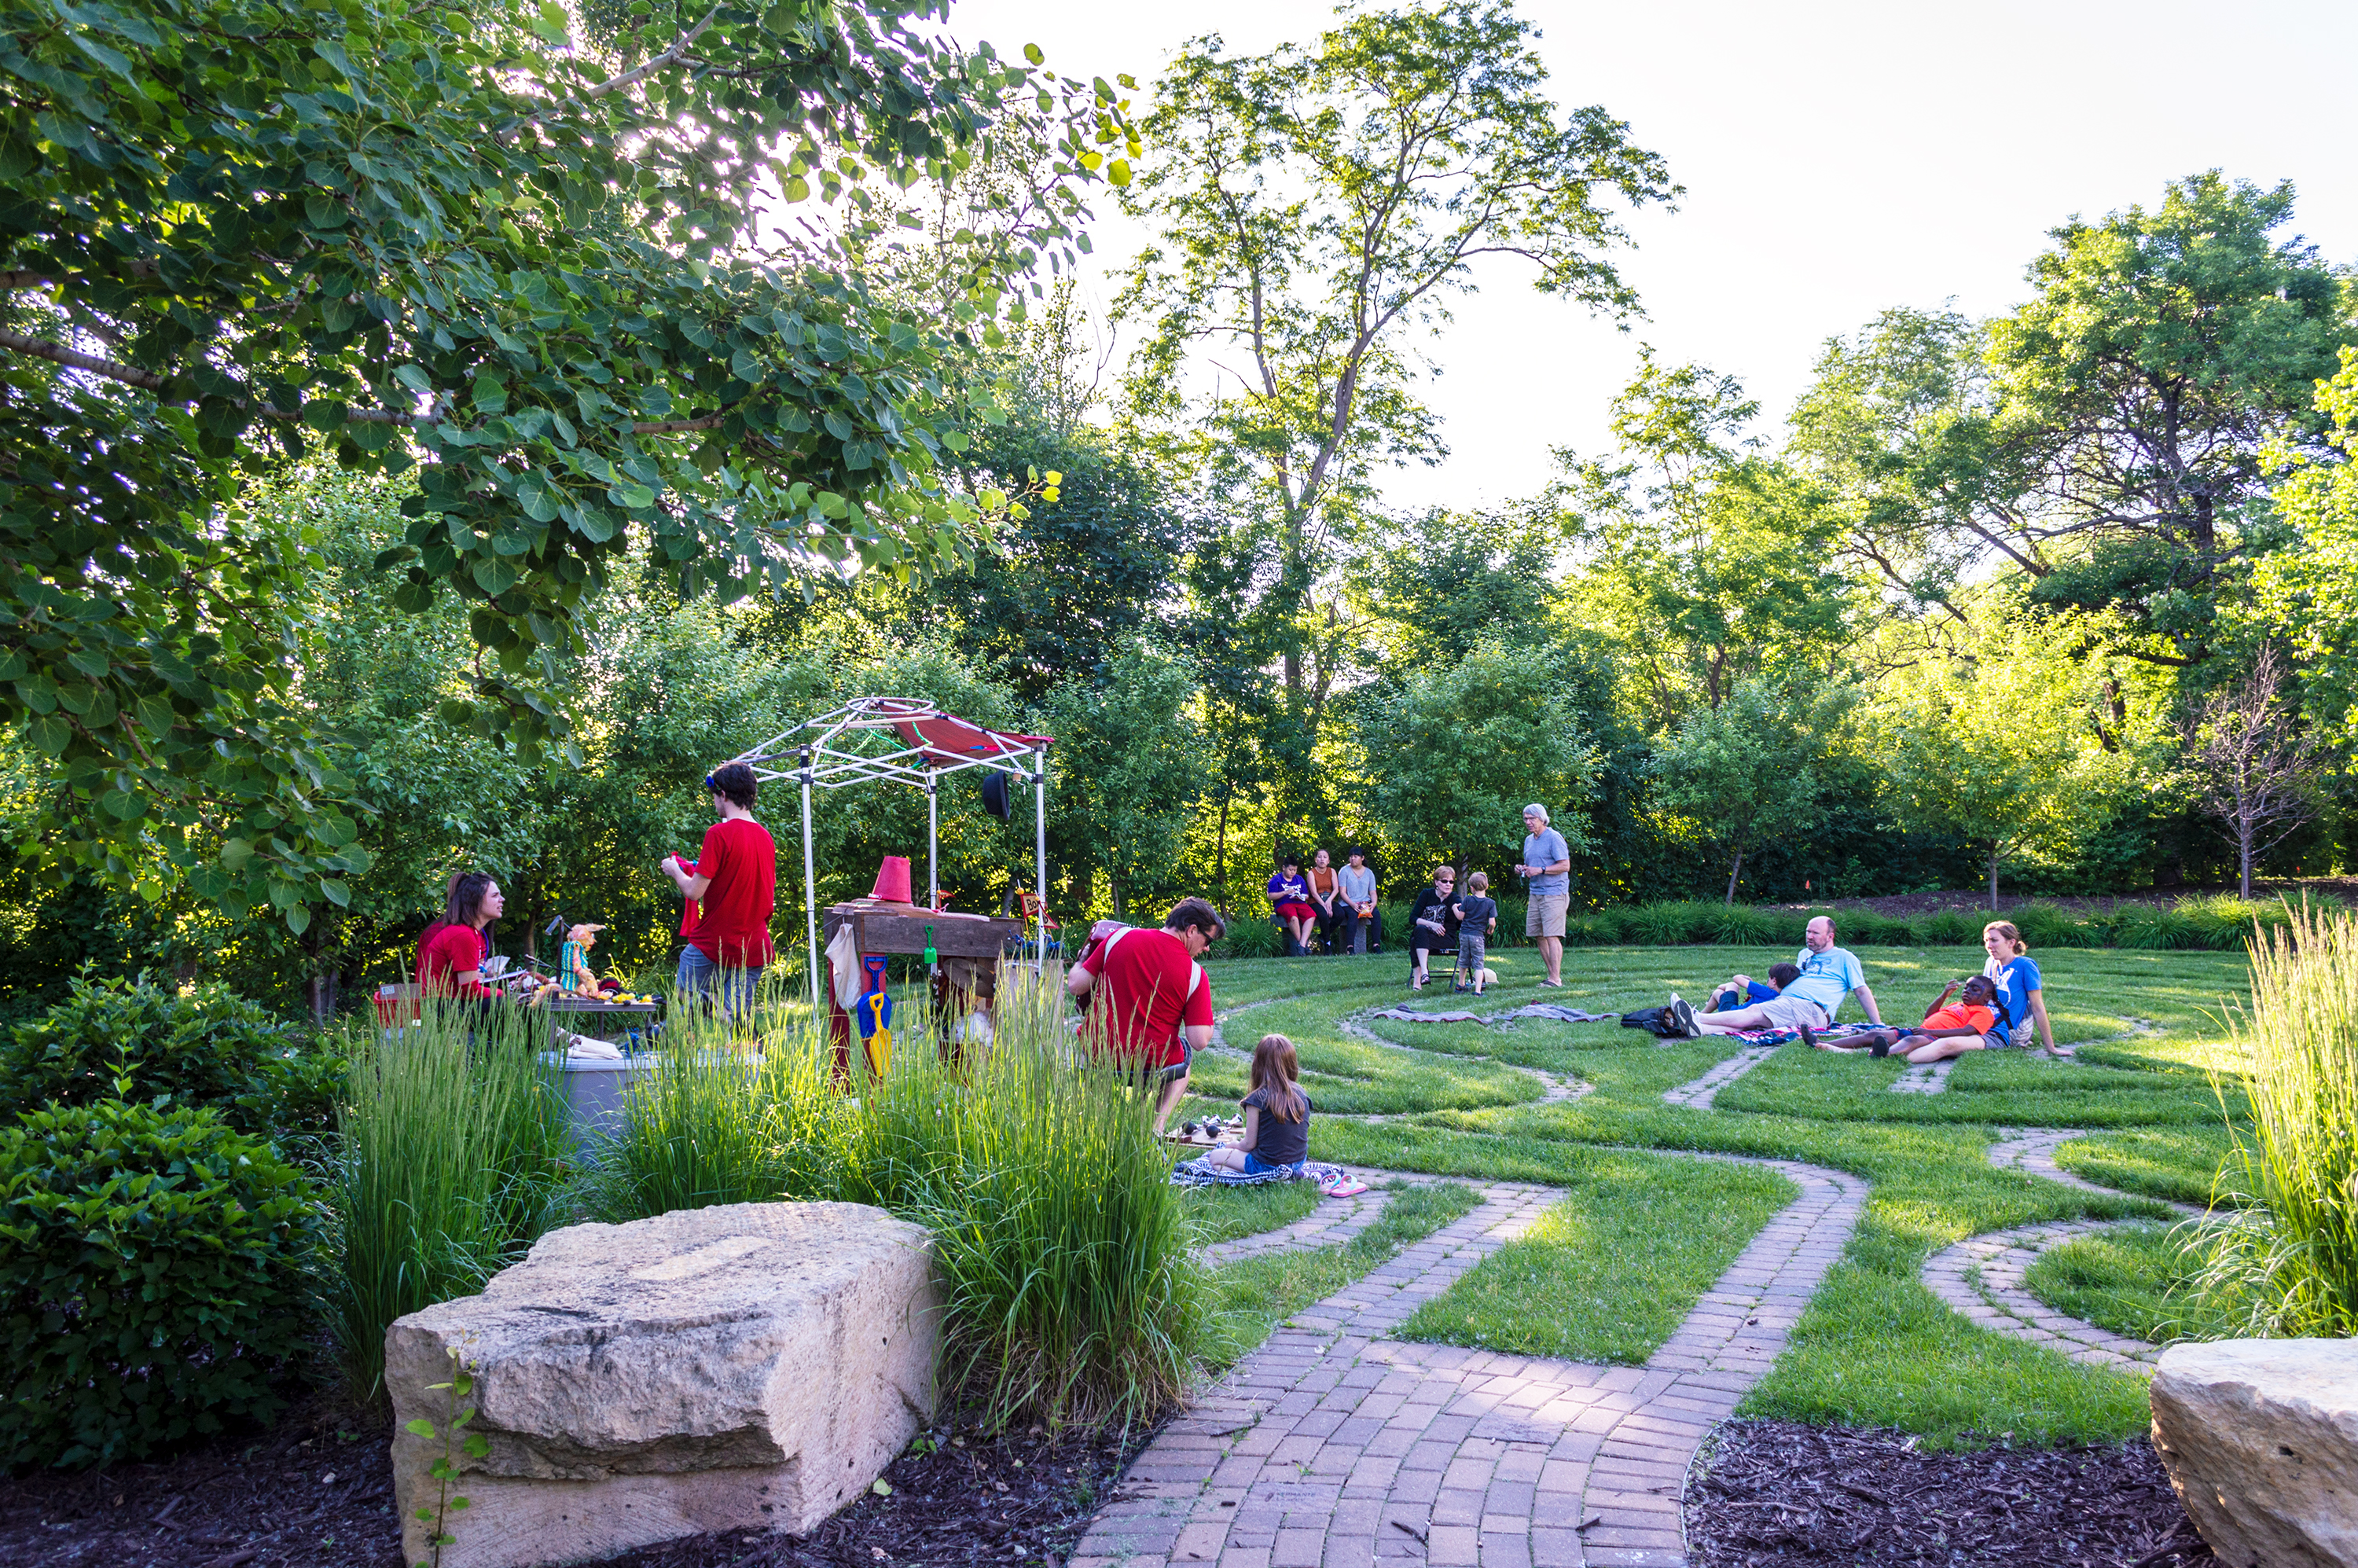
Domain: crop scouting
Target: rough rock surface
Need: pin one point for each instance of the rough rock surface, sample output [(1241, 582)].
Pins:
[(2261, 1438), (749, 1366)]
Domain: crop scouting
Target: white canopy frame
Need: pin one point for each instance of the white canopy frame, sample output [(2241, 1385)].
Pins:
[(827, 752)]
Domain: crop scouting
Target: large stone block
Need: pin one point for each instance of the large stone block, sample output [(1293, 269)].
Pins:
[(2261, 1438), (714, 1368)]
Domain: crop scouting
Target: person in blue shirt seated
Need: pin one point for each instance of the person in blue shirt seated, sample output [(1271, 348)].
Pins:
[(2022, 998), (1743, 990), (1289, 900), (1810, 1002)]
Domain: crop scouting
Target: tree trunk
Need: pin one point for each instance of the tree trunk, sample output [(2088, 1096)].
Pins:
[(2243, 855), (1993, 854), (1220, 849), (1733, 872)]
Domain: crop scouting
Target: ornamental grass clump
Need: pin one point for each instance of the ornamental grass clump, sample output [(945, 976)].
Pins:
[(1061, 1248), (2294, 1261), (454, 1137)]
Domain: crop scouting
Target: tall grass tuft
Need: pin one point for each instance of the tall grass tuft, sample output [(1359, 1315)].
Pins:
[(1061, 1247), (453, 1138), (2293, 1261)]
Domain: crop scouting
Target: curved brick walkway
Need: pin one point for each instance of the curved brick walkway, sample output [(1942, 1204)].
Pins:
[(1982, 1276), (1930, 1078), (1335, 1446), (1697, 1094), (1332, 1223)]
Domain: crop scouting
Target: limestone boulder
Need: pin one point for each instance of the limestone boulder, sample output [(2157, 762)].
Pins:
[(754, 1365), (2261, 1439)]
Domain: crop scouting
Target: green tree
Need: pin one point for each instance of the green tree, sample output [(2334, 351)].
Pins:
[(2309, 595), (1454, 753), (1997, 751), (1128, 776), (243, 231), (1707, 561), (1747, 770), (1316, 208), (1437, 583)]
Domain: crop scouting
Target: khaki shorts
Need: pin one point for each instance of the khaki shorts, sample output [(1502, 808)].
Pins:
[(1544, 914), (1794, 1012)]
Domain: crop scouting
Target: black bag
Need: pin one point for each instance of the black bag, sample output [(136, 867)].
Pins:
[(1651, 1019)]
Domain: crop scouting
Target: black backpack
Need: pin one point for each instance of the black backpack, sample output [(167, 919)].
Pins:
[(1651, 1020)]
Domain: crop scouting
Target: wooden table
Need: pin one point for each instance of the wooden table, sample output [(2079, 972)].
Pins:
[(581, 1009), (966, 953)]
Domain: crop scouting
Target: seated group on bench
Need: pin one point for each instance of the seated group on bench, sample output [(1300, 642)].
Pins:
[(1337, 903)]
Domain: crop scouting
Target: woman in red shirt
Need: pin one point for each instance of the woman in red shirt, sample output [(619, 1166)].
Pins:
[(450, 953)]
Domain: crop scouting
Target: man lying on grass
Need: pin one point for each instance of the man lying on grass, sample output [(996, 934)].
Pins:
[(1946, 1031), (1827, 974)]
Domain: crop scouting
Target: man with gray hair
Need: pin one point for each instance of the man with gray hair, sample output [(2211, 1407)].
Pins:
[(1546, 868)]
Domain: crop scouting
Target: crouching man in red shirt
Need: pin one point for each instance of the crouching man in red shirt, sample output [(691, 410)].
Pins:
[(736, 883), (1149, 1001)]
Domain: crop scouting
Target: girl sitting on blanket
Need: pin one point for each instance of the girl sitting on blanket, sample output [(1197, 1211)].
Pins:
[(1277, 1116)]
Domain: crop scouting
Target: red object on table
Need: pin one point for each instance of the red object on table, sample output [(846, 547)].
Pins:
[(893, 881)]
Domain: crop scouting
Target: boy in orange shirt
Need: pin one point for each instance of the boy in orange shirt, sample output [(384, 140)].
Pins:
[(1946, 1031)]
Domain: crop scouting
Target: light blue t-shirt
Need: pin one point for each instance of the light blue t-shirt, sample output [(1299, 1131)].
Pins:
[(1545, 848), (1826, 977), (2015, 978)]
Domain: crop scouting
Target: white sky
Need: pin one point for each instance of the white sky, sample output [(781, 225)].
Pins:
[(1839, 157)]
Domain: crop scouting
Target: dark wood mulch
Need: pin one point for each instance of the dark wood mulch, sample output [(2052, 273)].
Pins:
[(317, 1492), (1778, 1493)]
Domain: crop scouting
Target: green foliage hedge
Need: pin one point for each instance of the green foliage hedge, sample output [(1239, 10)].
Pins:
[(154, 1280), (202, 1046), (2214, 925)]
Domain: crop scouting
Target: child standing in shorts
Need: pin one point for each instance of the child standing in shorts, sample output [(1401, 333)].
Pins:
[(1477, 916)]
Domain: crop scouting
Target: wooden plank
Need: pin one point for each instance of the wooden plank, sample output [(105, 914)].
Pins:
[(962, 939)]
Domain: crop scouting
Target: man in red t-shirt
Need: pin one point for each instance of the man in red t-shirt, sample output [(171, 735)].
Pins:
[(736, 882), (1153, 1003)]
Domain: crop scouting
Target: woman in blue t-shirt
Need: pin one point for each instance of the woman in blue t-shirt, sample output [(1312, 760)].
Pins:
[(2015, 974)]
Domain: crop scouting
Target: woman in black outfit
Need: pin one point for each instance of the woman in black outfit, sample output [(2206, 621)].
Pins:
[(1430, 926)]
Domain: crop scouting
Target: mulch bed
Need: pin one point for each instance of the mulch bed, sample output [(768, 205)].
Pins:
[(1779, 1493), (317, 1492)]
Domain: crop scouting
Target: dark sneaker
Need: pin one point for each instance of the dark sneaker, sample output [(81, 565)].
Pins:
[(1808, 1035), (1681, 1016)]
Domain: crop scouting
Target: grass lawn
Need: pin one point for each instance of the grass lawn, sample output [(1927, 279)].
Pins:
[(1612, 1271), (2132, 1281), (1223, 1214)]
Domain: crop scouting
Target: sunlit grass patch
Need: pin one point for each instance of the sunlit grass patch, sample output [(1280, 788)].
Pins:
[(1609, 1273)]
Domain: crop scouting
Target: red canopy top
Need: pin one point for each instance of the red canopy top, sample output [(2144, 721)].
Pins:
[(949, 738)]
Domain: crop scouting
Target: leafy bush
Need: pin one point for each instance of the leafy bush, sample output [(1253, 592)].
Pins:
[(454, 1144), (1248, 935), (1069, 1293), (2291, 1268), (2044, 925), (153, 1279), (202, 1046), (1949, 928)]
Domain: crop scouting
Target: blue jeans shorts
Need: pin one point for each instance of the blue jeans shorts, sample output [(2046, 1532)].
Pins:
[(698, 976), (1257, 1166)]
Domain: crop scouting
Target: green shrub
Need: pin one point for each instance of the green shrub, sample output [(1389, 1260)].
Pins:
[(1248, 935), (454, 1144), (203, 1046), (1069, 1296), (1741, 926), (1949, 928), (153, 1279), (2044, 925), (2292, 1267)]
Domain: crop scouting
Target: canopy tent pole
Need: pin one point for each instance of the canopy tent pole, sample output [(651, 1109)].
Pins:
[(1040, 860), (932, 845), (810, 888)]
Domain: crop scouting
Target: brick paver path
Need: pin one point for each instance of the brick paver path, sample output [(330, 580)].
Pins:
[(1698, 1093), (1335, 1446), (1927, 1078), (1998, 1260)]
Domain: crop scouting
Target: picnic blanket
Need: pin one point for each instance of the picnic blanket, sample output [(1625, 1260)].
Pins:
[(1549, 1010), (1835, 1036), (1201, 1172)]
